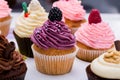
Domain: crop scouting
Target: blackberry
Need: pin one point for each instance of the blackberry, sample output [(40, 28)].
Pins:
[(55, 14)]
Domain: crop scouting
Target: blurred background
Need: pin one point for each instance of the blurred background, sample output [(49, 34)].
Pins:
[(105, 6)]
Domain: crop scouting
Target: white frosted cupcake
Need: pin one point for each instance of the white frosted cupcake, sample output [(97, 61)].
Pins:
[(105, 67), (32, 17)]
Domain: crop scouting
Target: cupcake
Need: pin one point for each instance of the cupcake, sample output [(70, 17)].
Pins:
[(73, 13), (32, 17), (94, 37), (12, 66), (106, 66), (5, 17), (54, 46)]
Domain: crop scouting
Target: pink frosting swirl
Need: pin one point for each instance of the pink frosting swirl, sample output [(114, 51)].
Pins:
[(97, 36), (4, 9), (71, 9)]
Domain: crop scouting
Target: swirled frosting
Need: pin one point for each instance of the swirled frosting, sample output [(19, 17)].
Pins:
[(97, 36), (53, 35), (26, 25), (71, 9), (106, 69), (9, 59), (4, 9)]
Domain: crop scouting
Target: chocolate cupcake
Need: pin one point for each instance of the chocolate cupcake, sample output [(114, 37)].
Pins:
[(12, 66), (33, 16), (106, 66)]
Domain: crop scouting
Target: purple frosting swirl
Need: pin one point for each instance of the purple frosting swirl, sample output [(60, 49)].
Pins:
[(53, 35)]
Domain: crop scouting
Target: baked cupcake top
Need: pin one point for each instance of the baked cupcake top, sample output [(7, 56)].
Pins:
[(71, 9), (54, 33), (28, 21), (95, 34), (4, 9), (9, 58)]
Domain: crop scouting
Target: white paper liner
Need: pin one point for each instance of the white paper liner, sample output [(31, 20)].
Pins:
[(89, 55), (54, 65), (5, 27)]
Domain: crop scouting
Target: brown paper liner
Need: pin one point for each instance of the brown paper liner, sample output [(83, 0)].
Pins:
[(53, 65), (24, 45), (5, 25), (74, 25), (88, 54)]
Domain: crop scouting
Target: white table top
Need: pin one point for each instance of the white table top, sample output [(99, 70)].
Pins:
[(78, 70)]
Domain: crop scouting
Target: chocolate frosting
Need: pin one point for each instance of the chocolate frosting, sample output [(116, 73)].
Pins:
[(53, 35), (9, 58)]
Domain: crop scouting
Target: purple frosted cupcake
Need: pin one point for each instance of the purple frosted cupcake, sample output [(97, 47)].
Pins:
[(54, 45)]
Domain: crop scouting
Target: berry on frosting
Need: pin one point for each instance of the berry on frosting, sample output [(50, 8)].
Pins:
[(55, 14), (94, 16)]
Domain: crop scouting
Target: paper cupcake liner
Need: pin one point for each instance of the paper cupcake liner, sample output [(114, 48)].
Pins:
[(5, 27), (89, 55), (54, 65), (24, 45)]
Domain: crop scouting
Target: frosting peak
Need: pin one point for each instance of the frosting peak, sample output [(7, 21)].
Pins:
[(4, 9), (53, 35), (97, 36), (34, 5), (71, 9), (37, 16)]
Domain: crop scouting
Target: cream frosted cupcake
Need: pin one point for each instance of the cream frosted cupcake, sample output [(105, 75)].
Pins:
[(5, 17), (73, 13), (105, 67), (54, 46), (94, 38), (31, 18)]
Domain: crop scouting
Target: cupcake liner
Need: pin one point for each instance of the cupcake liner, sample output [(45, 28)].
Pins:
[(54, 65), (89, 55), (24, 45), (5, 27)]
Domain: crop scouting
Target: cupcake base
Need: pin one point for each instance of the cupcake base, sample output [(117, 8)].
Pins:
[(88, 54), (5, 25), (17, 74), (74, 25), (24, 45), (92, 76), (55, 64)]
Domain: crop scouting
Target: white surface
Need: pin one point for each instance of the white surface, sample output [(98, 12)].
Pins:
[(78, 70)]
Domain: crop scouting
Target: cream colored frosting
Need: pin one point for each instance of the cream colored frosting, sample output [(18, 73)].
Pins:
[(26, 25), (105, 69), (97, 36)]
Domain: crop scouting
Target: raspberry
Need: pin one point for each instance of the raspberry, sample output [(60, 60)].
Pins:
[(55, 14), (94, 16)]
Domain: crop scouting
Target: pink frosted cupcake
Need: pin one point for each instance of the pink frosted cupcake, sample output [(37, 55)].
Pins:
[(94, 38), (73, 13), (5, 17)]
